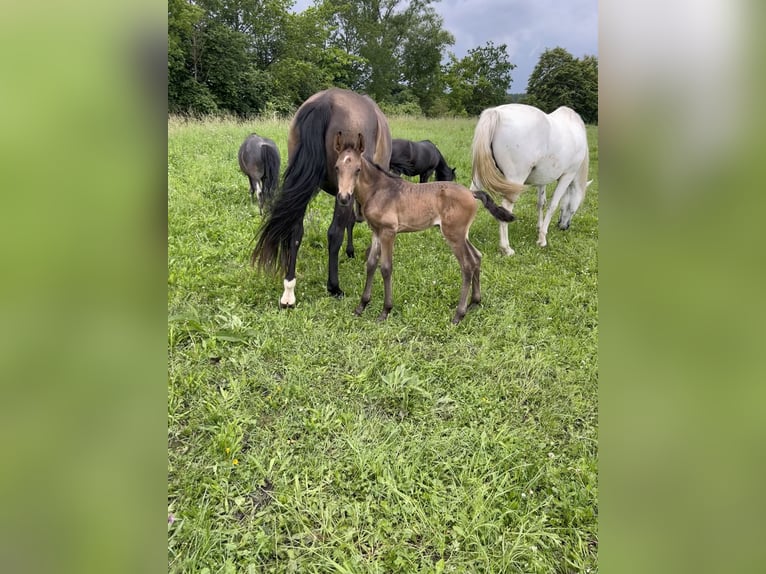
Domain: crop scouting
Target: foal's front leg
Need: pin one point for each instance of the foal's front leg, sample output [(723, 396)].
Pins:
[(372, 264), (386, 268)]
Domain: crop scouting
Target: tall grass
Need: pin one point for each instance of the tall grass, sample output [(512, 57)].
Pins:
[(311, 440)]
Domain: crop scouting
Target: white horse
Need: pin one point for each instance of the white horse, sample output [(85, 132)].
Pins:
[(516, 145)]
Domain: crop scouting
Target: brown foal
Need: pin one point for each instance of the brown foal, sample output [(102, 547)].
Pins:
[(393, 205)]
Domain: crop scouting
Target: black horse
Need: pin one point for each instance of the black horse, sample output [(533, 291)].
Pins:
[(259, 161), (419, 158), (311, 158)]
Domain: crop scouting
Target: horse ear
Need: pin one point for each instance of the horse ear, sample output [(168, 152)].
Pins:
[(361, 143), (337, 143)]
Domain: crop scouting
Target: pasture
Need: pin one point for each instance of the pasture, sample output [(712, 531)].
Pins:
[(312, 440)]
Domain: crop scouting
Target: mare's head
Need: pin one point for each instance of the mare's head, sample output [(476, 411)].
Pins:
[(347, 168)]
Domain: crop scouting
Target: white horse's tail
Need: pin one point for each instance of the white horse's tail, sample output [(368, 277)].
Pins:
[(486, 174)]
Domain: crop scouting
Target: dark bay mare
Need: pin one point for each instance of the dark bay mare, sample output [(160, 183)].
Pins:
[(421, 158), (392, 205), (259, 160), (312, 154)]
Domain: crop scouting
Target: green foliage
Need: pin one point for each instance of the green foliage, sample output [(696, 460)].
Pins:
[(560, 79), (480, 80), (244, 58), (312, 440)]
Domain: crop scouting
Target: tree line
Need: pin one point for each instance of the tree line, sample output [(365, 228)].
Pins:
[(248, 57)]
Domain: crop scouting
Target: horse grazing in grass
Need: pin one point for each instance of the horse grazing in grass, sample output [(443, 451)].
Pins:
[(259, 160), (419, 158), (311, 164), (516, 144), (392, 205)]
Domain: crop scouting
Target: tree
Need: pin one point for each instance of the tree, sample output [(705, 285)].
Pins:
[(480, 80), (398, 43), (420, 60), (560, 79)]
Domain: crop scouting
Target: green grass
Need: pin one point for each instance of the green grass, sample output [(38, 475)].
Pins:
[(406, 446)]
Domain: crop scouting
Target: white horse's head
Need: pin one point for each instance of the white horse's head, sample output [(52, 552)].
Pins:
[(571, 202)]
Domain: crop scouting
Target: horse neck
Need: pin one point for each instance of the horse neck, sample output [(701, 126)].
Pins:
[(367, 182)]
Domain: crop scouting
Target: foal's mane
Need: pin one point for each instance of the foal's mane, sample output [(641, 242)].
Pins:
[(375, 165)]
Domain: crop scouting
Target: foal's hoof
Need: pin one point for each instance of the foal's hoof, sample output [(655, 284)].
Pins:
[(350, 253), (286, 305), (457, 318)]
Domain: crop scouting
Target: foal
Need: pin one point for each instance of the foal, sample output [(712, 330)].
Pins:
[(393, 205)]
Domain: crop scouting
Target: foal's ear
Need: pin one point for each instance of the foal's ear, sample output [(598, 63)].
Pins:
[(338, 141), (361, 143)]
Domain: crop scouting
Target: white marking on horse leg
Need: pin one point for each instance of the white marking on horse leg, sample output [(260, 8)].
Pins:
[(288, 297), (505, 247), (561, 188)]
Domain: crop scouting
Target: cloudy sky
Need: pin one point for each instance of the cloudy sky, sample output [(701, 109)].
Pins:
[(527, 27)]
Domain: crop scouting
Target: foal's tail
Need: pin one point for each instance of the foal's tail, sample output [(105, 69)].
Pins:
[(306, 170), (499, 213), (270, 159), (486, 174)]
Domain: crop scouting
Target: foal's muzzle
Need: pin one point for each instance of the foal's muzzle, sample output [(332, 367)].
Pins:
[(344, 199)]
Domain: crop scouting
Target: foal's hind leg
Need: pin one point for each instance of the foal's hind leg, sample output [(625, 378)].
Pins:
[(465, 258), (476, 281)]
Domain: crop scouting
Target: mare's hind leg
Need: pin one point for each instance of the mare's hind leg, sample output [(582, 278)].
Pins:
[(505, 247), (424, 177), (341, 218), (372, 264), (541, 199), (288, 297), (561, 187)]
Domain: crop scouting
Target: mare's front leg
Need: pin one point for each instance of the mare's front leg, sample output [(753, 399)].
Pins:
[(561, 187), (425, 176), (340, 221), (288, 297), (372, 264), (386, 269), (505, 247)]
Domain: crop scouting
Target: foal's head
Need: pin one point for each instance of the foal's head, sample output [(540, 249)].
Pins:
[(347, 168)]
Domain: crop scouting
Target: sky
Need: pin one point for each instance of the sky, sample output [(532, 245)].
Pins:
[(526, 27)]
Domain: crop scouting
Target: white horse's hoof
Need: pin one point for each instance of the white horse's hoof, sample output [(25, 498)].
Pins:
[(542, 242), (507, 251)]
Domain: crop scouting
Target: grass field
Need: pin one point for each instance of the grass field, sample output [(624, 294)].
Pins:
[(311, 440)]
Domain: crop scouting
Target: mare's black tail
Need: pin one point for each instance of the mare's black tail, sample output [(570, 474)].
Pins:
[(306, 170), (270, 159), (499, 213)]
